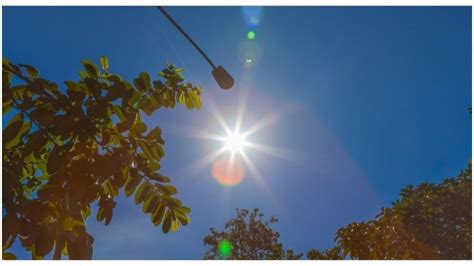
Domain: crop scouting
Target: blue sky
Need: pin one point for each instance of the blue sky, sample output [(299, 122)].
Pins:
[(367, 100)]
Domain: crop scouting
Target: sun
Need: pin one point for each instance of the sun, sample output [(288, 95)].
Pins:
[(235, 142)]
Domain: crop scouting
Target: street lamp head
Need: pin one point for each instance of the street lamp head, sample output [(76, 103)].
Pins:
[(223, 78)]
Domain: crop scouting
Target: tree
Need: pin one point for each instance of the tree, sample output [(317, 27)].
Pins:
[(329, 254), (431, 221), (247, 237), (65, 149)]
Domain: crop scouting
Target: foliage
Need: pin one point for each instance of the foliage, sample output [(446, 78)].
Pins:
[(252, 238), (428, 222), (329, 254), (65, 149)]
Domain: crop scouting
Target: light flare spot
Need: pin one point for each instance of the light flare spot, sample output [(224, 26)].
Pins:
[(225, 248), (228, 171), (251, 35)]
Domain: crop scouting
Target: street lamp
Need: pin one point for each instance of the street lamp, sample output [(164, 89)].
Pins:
[(223, 78)]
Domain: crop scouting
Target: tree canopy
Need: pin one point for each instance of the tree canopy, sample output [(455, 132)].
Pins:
[(67, 148), (430, 221), (247, 237)]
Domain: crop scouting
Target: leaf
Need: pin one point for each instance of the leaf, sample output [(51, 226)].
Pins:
[(167, 223), (131, 184), (32, 72), (104, 62), (168, 190), (44, 243), (91, 68), (151, 204), (143, 192), (118, 111), (69, 223), (54, 160), (13, 128), (140, 83), (114, 78), (153, 134), (131, 121), (146, 79), (35, 143), (183, 218), (159, 177), (72, 86), (109, 189), (113, 94), (182, 209), (158, 215), (153, 166), (174, 225), (6, 107), (157, 152), (8, 256), (197, 99), (146, 150)]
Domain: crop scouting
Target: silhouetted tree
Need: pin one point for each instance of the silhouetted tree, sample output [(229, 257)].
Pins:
[(329, 254), (247, 237), (64, 149), (430, 221)]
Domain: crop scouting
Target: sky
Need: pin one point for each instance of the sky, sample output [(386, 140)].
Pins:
[(359, 102)]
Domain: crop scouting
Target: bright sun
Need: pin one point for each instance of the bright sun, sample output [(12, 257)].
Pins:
[(235, 142)]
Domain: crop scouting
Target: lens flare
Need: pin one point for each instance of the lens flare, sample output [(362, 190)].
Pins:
[(235, 142), (251, 35), (253, 15), (225, 248), (228, 170)]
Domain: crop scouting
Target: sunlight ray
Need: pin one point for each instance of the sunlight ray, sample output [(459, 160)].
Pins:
[(267, 120), (281, 153), (258, 177), (215, 112), (200, 134), (242, 105), (203, 162)]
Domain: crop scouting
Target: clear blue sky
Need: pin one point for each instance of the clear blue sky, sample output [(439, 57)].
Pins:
[(369, 100)]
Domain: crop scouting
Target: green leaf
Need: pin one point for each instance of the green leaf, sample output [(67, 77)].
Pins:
[(167, 223), (131, 184), (168, 190), (54, 160), (118, 111), (146, 79), (110, 189), (114, 78), (44, 243), (159, 177), (153, 166), (35, 143), (104, 62), (91, 68), (6, 106), (8, 256), (153, 134), (113, 94), (151, 204), (143, 192), (132, 120), (183, 218), (13, 128), (72, 86), (197, 99), (146, 149), (182, 209), (32, 72), (158, 215)]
